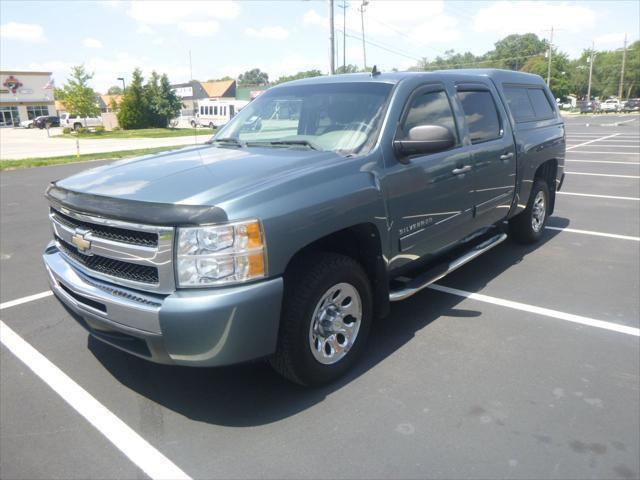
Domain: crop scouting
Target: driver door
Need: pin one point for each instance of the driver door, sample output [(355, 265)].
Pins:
[(430, 197)]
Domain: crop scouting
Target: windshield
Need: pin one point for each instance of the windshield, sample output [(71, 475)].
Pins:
[(340, 117)]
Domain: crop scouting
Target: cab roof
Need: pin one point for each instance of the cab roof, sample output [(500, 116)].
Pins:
[(497, 75)]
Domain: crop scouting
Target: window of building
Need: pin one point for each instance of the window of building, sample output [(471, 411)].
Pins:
[(34, 111), (429, 108), (215, 110), (481, 115), (9, 116)]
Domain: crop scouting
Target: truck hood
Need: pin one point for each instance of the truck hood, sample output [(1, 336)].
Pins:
[(204, 175)]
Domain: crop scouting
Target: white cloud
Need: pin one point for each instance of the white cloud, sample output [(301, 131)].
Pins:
[(113, 4), (92, 43), (314, 18), (26, 32), (156, 12), (145, 29), (273, 33), (610, 38), (200, 29), (528, 16)]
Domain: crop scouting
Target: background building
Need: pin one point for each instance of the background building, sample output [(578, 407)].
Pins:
[(25, 95), (194, 90)]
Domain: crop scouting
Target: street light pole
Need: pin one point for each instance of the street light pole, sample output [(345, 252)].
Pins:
[(550, 54), (591, 57), (332, 63), (124, 87), (364, 48), (624, 57), (344, 7)]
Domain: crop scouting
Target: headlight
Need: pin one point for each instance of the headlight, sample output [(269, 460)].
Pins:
[(220, 254)]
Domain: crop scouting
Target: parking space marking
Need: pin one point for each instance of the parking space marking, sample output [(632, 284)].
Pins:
[(588, 152), (601, 161), (595, 140), (30, 298), (602, 175), (547, 312), (597, 234), (123, 437), (611, 197)]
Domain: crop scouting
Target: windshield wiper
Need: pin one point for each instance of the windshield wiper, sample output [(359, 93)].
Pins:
[(226, 140), (276, 143)]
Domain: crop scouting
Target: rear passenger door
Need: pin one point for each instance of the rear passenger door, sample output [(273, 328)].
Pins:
[(493, 152)]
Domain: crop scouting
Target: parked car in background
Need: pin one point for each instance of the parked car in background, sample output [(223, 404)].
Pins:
[(631, 105), (27, 123), (588, 106), (46, 121), (611, 105), (321, 202), (75, 122)]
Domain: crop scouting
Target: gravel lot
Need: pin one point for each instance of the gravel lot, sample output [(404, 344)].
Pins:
[(19, 143), (453, 385)]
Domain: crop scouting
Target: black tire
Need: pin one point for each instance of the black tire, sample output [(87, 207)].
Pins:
[(77, 126), (194, 124), (522, 228), (305, 284)]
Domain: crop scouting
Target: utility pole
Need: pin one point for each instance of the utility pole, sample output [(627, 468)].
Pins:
[(549, 54), (344, 7), (332, 54), (591, 57), (624, 57), (364, 48)]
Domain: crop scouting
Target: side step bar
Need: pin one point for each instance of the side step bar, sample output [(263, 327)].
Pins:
[(433, 275)]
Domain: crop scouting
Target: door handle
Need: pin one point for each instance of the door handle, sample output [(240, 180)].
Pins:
[(459, 171), (506, 156)]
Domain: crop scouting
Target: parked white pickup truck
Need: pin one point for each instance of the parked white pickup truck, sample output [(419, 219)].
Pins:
[(75, 122), (611, 105)]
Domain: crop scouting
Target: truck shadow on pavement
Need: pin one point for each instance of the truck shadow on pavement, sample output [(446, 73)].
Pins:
[(252, 394)]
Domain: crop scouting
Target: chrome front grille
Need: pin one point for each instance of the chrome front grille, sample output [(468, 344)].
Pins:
[(124, 253)]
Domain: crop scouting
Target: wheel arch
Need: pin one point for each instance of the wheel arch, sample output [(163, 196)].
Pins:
[(363, 243), (548, 171)]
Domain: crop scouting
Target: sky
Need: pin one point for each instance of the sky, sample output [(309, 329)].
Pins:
[(228, 37)]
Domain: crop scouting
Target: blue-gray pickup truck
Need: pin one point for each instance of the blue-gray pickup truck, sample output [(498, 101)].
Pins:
[(317, 205)]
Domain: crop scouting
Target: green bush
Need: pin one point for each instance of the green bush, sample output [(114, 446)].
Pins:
[(116, 129), (82, 131), (99, 129), (66, 130)]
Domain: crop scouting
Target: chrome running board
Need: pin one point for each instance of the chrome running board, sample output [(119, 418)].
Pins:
[(427, 278)]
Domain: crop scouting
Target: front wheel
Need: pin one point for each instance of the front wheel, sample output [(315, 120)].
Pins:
[(528, 226), (327, 311)]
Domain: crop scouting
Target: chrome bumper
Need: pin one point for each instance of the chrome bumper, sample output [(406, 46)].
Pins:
[(200, 327)]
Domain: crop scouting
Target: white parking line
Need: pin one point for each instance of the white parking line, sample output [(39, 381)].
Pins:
[(597, 234), (601, 161), (611, 145), (604, 153), (612, 197), (30, 298), (123, 437), (602, 175), (569, 317), (595, 140)]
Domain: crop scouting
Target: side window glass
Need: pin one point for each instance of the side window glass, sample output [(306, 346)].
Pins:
[(429, 108), (541, 105), (519, 104), (481, 115)]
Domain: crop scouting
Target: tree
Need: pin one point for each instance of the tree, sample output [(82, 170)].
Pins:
[(134, 112), (114, 90), (161, 101), (299, 75), (253, 77), (560, 83), (223, 79), (79, 98), (349, 68), (513, 51)]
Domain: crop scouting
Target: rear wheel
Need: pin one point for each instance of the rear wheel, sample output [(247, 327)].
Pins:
[(211, 125), (528, 226), (77, 126), (327, 311)]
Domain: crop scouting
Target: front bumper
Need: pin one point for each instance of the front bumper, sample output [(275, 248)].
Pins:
[(197, 327)]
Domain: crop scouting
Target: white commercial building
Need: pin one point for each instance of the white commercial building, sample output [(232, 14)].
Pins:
[(25, 95)]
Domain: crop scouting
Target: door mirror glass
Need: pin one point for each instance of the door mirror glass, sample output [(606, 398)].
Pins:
[(423, 139)]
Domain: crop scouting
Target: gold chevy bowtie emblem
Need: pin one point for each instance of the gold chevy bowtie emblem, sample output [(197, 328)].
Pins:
[(81, 243)]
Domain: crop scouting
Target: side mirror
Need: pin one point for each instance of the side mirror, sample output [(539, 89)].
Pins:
[(424, 139)]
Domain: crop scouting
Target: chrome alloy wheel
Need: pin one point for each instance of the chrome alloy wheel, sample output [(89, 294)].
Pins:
[(335, 323), (539, 211)]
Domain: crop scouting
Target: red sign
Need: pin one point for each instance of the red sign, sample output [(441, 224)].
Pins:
[(12, 83)]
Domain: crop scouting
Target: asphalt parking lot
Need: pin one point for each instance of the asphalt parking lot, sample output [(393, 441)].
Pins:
[(525, 363)]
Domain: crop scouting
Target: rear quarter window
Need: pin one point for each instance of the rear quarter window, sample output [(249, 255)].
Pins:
[(519, 104), (541, 105)]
